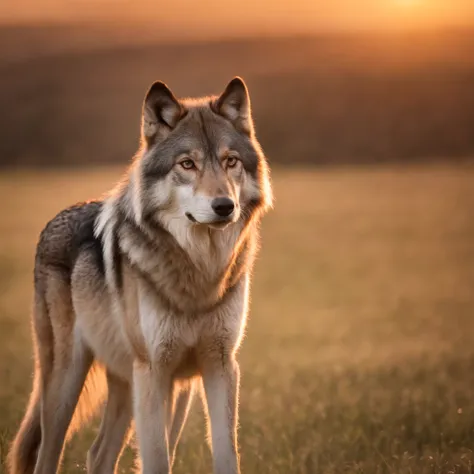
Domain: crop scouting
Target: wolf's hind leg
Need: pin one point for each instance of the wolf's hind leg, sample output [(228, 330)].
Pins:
[(113, 434), (182, 404), (61, 366), (60, 398), (69, 363)]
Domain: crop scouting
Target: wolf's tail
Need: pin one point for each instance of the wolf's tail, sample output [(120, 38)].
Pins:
[(24, 450)]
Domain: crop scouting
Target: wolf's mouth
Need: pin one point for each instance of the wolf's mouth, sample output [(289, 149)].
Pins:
[(217, 224), (191, 217)]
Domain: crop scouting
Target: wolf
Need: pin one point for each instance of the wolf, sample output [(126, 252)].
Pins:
[(143, 294)]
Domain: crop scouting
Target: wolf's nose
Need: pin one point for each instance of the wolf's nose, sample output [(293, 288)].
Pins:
[(223, 206)]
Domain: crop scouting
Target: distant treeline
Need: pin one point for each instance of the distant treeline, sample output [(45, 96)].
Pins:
[(315, 100)]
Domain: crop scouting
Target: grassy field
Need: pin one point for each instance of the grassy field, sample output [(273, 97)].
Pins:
[(359, 356)]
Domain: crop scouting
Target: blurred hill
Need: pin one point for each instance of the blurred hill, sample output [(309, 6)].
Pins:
[(72, 96)]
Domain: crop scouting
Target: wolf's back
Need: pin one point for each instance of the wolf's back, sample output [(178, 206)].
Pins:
[(69, 232)]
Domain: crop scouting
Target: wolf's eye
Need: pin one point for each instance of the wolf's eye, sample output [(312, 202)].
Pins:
[(188, 164), (231, 161)]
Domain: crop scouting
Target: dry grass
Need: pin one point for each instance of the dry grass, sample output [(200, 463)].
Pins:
[(359, 354)]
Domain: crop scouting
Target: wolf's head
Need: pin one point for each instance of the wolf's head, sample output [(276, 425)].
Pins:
[(200, 162)]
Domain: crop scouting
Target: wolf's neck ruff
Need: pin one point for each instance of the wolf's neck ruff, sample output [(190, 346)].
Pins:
[(189, 266)]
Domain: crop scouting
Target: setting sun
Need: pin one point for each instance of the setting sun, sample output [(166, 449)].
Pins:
[(408, 2), (409, 9), (412, 5)]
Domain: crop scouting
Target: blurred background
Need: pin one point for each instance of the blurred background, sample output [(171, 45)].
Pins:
[(359, 354)]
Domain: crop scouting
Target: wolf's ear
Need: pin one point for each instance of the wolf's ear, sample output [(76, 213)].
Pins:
[(161, 112), (234, 105)]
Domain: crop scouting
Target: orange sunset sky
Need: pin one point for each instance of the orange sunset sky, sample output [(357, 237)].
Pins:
[(203, 17)]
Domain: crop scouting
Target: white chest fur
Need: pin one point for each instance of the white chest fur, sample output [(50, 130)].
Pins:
[(168, 336)]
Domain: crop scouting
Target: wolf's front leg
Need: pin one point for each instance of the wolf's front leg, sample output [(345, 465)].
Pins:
[(152, 393), (221, 384)]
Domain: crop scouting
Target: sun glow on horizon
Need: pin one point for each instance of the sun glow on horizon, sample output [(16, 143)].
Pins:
[(417, 13), (188, 17)]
